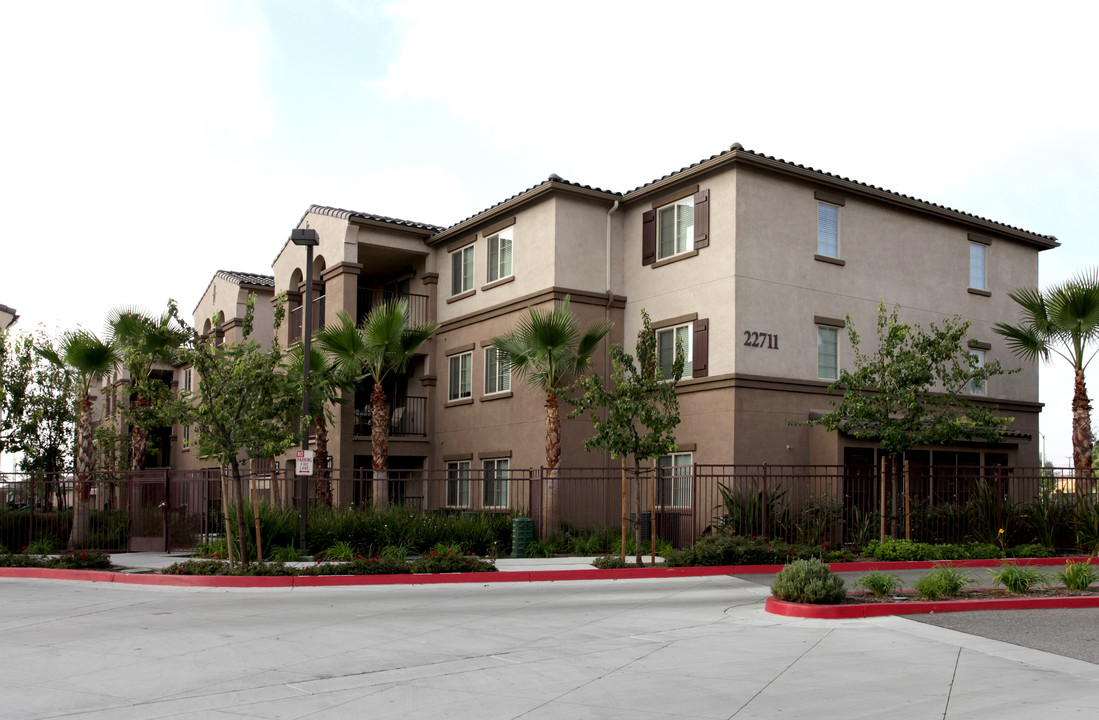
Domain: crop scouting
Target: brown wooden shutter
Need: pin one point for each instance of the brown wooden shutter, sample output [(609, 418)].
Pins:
[(648, 238), (700, 365), (702, 219)]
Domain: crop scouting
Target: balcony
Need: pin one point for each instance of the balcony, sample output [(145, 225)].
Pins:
[(407, 417), (295, 319), (370, 298)]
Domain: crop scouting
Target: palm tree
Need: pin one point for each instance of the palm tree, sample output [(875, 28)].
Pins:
[(89, 359), (1061, 321), (383, 346), (145, 340), (327, 381), (551, 351)]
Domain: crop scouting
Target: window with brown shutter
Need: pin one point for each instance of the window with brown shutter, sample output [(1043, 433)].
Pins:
[(677, 225), (702, 219), (700, 361), (648, 238)]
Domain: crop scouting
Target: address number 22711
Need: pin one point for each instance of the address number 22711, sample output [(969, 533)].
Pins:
[(761, 340)]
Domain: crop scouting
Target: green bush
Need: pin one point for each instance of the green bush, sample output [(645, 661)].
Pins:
[(284, 554), (380, 565), (1077, 575), (341, 551), (1032, 550), (450, 562), (910, 551), (42, 546), (609, 562), (943, 581), (879, 584), (1018, 578), (721, 549), (81, 560), (808, 581)]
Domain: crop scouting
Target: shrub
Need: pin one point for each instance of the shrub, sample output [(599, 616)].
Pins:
[(197, 567), (1033, 550), (15, 560), (341, 551), (910, 551), (879, 584), (943, 581), (808, 581), (448, 562), (212, 549), (285, 553), (380, 565), (609, 562), (41, 546), (81, 560), (1077, 575), (1018, 578)]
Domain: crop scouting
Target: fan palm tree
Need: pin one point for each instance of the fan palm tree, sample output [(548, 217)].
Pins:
[(383, 346), (327, 381), (88, 359), (1061, 321), (551, 351), (144, 341)]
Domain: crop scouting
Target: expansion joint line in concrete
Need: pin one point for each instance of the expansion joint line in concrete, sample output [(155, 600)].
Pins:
[(950, 688), (784, 671)]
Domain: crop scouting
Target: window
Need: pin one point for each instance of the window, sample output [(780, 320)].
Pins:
[(461, 270), (186, 435), (827, 353), (497, 371), (496, 482), (457, 484), (499, 255), (977, 272), (977, 387), (668, 341), (675, 480), (461, 376), (828, 230), (187, 380), (675, 228)]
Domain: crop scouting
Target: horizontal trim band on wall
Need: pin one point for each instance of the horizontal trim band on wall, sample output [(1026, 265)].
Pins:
[(579, 297)]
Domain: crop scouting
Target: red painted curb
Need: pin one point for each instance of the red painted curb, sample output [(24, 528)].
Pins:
[(843, 612)]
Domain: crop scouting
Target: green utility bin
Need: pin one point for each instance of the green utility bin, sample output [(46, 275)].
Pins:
[(522, 533)]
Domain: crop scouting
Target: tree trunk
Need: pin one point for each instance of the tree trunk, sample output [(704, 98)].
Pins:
[(379, 442), (637, 512), (84, 467), (323, 483), (552, 510), (239, 497), (1081, 435), (225, 516), (139, 438)]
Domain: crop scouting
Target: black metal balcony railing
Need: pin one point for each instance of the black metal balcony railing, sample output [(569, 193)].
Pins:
[(369, 298), (318, 319), (407, 416)]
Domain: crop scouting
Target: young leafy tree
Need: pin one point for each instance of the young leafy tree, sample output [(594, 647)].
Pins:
[(641, 409), (913, 388), (1062, 321), (146, 340), (87, 359), (551, 351), (245, 405), (383, 346)]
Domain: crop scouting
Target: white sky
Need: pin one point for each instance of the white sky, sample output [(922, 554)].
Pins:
[(146, 145)]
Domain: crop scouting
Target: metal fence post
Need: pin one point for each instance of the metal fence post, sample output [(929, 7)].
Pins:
[(167, 510), (763, 504)]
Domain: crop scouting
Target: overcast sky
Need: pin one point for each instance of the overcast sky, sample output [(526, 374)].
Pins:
[(146, 145)]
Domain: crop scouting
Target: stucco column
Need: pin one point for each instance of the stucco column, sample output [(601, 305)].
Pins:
[(341, 283)]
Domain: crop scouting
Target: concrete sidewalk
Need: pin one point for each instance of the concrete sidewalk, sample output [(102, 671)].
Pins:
[(151, 561), (668, 648)]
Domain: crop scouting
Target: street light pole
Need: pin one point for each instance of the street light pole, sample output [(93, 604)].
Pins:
[(307, 238)]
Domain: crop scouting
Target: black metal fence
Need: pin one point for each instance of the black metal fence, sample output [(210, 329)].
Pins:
[(833, 505)]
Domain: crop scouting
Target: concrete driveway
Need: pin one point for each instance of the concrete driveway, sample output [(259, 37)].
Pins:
[(668, 648)]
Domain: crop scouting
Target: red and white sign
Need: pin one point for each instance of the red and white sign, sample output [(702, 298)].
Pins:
[(304, 462)]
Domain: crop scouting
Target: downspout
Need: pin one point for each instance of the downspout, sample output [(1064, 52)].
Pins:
[(607, 318)]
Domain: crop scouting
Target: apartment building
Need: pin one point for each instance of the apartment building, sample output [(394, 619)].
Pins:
[(752, 264)]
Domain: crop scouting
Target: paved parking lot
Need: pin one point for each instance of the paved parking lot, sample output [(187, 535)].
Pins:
[(668, 648)]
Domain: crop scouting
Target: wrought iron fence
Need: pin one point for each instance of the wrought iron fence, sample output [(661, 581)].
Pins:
[(833, 505)]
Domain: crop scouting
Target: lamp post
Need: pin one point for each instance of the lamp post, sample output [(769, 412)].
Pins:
[(307, 238)]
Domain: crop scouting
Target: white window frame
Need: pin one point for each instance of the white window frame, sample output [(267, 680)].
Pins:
[(461, 270), (978, 266), (463, 364), (683, 236), (828, 229), (186, 443), (676, 474), (494, 493), (187, 380), (457, 484), (981, 357), (688, 351), (500, 262), (497, 371), (823, 330)]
